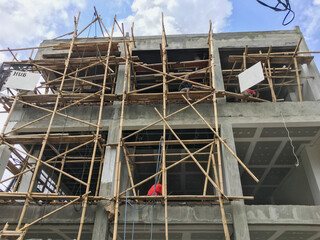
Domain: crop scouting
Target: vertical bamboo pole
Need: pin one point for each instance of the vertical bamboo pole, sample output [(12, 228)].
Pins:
[(208, 170), (223, 214), (215, 108), (298, 78), (62, 167), (44, 142), (118, 162), (164, 104), (96, 138), (125, 150), (268, 74), (100, 169), (220, 180)]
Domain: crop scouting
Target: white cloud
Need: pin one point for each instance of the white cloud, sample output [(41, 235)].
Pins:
[(27, 22), (181, 16), (309, 19)]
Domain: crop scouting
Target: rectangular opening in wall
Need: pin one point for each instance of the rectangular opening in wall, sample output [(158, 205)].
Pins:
[(144, 153), (75, 164), (180, 62), (268, 153)]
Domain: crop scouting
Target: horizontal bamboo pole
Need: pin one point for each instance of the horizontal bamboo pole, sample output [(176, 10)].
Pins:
[(188, 197)]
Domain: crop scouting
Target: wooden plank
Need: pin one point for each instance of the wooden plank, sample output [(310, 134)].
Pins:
[(52, 138), (189, 197), (284, 59), (168, 142)]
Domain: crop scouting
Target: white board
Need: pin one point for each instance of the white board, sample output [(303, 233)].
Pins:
[(22, 80), (251, 77)]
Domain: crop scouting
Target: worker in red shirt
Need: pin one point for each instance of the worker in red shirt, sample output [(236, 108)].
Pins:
[(155, 190), (250, 92)]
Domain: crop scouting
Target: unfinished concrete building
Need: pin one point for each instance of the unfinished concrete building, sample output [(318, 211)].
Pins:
[(108, 121)]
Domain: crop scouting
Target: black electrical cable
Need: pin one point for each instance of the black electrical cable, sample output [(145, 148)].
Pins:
[(281, 6)]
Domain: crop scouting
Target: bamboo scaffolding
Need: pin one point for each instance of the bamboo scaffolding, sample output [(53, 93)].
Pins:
[(69, 77), (49, 128), (118, 163), (84, 204), (164, 60)]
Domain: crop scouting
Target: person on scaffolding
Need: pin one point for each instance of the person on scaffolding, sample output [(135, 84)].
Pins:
[(155, 190), (250, 93), (186, 87)]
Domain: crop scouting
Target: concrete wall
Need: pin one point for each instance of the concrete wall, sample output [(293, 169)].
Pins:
[(295, 189)]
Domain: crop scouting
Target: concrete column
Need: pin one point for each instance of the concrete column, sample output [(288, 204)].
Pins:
[(4, 150), (310, 158), (311, 86), (218, 78), (233, 185), (26, 177), (101, 224), (4, 158)]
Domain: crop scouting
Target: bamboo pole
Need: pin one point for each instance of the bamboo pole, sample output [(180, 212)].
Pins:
[(99, 20), (84, 205), (223, 214), (215, 109), (208, 170), (62, 167), (298, 78), (125, 150), (50, 125), (164, 105), (100, 168), (268, 75), (87, 27), (66, 34), (118, 162)]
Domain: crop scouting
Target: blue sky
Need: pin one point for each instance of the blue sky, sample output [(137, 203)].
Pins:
[(27, 22)]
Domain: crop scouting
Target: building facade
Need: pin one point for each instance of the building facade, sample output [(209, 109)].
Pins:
[(118, 140)]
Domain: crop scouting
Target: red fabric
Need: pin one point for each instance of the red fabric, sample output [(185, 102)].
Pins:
[(253, 93), (156, 192)]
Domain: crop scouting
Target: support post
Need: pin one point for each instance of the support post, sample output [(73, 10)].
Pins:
[(233, 185)]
